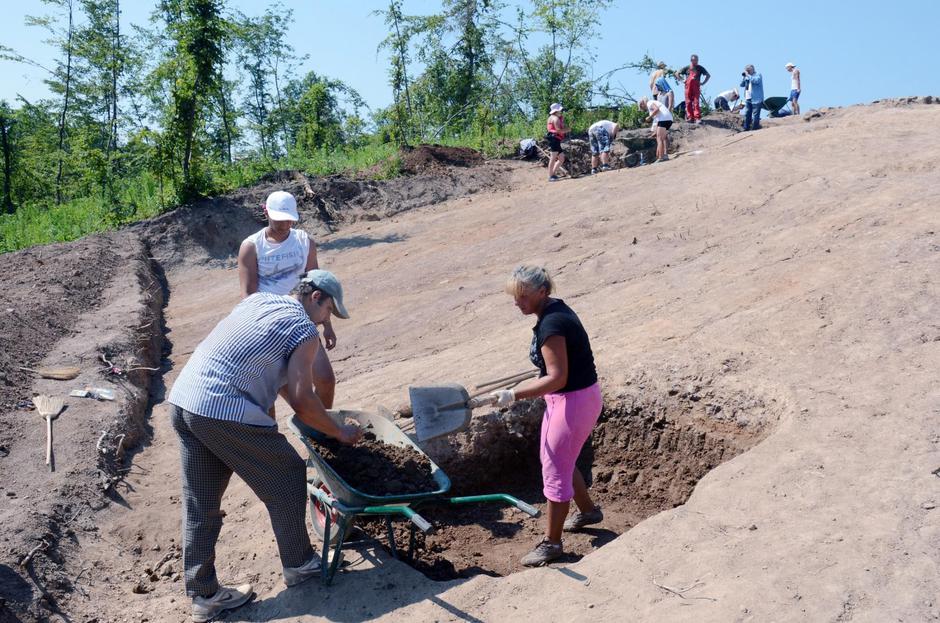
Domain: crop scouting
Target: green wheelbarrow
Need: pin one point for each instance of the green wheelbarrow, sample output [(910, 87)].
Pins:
[(334, 504)]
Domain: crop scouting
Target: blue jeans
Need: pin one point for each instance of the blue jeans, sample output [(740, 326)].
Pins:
[(752, 115)]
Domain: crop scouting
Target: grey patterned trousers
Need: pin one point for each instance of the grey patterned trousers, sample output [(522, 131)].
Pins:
[(211, 450)]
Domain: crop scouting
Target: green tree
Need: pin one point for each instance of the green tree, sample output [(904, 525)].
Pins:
[(314, 113), (196, 28), (559, 69), (398, 42)]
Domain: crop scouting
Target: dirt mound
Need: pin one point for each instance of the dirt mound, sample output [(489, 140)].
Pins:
[(377, 468), (425, 159), (211, 230)]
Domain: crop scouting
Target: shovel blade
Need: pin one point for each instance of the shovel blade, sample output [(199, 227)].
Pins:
[(439, 410)]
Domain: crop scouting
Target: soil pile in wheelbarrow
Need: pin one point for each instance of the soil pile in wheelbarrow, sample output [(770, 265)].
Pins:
[(377, 468)]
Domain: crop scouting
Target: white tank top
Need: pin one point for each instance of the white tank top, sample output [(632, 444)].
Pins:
[(793, 83), (280, 264), (662, 113)]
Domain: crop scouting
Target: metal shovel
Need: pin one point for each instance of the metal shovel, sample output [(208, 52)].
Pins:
[(49, 408), (442, 409)]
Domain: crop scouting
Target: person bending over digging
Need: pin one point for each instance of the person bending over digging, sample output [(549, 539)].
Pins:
[(220, 405), (568, 381), (600, 134), (272, 260)]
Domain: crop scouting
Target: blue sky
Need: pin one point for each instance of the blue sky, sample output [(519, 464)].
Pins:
[(849, 52)]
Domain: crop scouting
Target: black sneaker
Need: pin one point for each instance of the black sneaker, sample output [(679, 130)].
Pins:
[(579, 520), (544, 553)]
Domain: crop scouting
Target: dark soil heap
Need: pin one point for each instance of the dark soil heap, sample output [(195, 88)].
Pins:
[(429, 158), (377, 468)]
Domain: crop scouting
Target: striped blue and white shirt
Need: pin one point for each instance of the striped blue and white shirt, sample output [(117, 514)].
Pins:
[(235, 373)]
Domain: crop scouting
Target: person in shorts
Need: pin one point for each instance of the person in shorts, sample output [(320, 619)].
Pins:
[(600, 135), (556, 132), (794, 88), (662, 121)]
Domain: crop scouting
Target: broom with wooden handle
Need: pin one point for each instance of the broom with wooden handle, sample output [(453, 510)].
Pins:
[(49, 408), (60, 373)]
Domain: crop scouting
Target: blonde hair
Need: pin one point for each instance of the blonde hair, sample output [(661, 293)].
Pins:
[(642, 103), (529, 277)]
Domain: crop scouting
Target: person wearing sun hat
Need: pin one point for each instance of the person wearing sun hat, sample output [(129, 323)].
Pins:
[(220, 411), (794, 87), (556, 133), (272, 260)]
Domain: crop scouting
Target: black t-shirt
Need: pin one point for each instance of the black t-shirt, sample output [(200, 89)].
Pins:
[(559, 319)]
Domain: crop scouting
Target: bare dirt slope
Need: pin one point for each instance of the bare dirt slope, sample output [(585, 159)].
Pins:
[(796, 265)]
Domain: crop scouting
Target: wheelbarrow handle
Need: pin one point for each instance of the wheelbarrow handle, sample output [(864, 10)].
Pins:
[(420, 522)]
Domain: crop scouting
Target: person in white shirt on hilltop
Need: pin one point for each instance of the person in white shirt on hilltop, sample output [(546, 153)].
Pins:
[(794, 88), (662, 121), (272, 260), (727, 100)]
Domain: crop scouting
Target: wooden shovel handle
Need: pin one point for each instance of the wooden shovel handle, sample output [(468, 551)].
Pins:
[(483, 401), (512, 378), (49, 442)]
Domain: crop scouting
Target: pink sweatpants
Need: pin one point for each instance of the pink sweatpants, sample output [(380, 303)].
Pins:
[(566, 425)]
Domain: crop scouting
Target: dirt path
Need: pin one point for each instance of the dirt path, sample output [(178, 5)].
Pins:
[(789, 278)]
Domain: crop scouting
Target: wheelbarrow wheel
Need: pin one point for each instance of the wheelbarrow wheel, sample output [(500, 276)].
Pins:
[(318, 516)]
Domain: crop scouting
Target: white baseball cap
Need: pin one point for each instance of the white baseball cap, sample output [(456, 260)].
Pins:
[(789, 65), (556, 107), (281, 206)]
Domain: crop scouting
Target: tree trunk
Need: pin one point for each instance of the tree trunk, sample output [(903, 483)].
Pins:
[(8, 206), (65, 107), (111, 146), (225, 120)]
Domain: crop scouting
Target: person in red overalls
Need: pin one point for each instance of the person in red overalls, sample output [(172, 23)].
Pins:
[(695, 76)]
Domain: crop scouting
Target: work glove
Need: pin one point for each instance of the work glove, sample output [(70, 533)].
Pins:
[(504, 397)]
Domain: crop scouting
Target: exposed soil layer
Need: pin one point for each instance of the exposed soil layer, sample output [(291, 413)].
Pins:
[(644, 457), (45, 290), (377, 468), (77, 304), (211, 230), (430, 158)]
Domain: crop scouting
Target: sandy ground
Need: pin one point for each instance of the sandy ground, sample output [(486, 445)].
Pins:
[(797, 264)]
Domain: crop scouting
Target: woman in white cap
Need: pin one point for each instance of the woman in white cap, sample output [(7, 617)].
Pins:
[(662, 121), (556, 133), (272, 260)]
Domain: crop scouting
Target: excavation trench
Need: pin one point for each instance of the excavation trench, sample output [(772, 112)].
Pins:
[(645, 456)]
